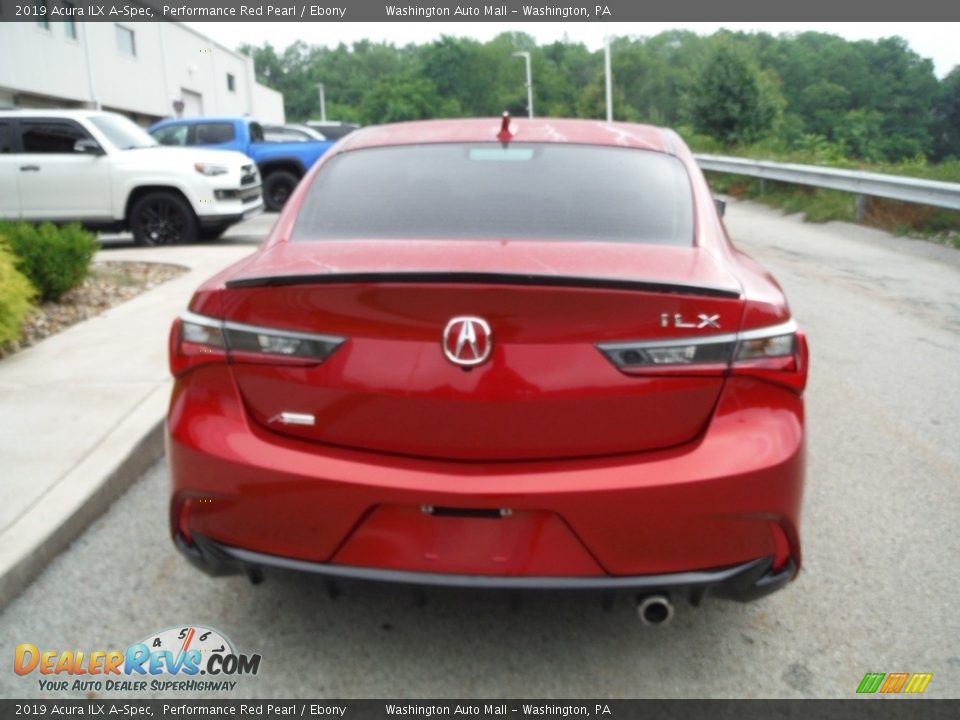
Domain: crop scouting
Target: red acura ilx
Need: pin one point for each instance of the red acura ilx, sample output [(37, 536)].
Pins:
[(495, 353)]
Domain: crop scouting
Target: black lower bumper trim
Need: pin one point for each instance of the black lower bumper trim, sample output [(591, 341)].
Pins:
[(747, 581)]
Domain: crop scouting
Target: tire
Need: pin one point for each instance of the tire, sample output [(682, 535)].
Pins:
[(277, 188), (212, 232), (163, 218)]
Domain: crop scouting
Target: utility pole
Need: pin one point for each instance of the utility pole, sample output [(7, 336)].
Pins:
[(609, 77), (323, 105), (526, 56)]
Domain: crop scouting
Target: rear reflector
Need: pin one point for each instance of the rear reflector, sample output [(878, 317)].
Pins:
[(182, 520), (777, 353), (197, 340)]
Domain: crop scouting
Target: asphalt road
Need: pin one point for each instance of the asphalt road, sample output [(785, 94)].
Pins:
[(878, 593)]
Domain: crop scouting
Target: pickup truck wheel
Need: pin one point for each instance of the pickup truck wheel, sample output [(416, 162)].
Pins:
[(162, 218), (277, 188)]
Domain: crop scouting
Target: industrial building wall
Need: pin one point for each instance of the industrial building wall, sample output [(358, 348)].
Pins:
[(141, 69)]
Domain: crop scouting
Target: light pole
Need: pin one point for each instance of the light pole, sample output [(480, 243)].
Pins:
[(526, 56), (323, 105), (609, 78)]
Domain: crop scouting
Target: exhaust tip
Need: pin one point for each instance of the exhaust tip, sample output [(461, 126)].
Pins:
[(655, 609)]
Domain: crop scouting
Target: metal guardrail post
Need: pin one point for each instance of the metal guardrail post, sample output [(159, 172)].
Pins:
[(861, 207)]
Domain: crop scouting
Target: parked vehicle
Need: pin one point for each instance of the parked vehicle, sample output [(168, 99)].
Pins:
[(291, 133), (102, 170), (475, 353), (281, 164), (333, 129)]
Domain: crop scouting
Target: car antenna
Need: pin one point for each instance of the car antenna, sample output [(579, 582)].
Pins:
[(505, 135)]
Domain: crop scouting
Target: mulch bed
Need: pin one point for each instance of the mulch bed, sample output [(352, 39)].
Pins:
[(109, 284)]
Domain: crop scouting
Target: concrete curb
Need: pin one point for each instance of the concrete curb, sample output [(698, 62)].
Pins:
[(83, 494)]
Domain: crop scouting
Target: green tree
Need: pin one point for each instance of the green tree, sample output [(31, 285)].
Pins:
[(407, 99), (870, 99), (734, 101), (946, 114)]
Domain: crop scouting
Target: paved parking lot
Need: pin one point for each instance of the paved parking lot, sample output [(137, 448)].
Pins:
[(250, 232), (877, 594)]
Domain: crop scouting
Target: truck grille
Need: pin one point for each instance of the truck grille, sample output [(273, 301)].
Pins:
[(248, 174)]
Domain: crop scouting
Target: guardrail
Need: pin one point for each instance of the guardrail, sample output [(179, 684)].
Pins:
[(862, 184)]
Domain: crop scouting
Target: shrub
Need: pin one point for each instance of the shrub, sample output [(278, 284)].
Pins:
[(55, 259), (16, 293)]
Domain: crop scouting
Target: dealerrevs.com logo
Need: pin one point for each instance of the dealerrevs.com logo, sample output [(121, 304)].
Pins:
[(190, 659)]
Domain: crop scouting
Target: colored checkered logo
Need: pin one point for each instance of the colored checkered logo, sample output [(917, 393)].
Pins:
[(890, 683)]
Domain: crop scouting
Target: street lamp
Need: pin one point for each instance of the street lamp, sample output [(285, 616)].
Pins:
[(323, 105), (526, 56), (608, 78)]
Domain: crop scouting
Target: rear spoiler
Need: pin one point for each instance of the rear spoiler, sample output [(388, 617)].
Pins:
[(483, 279)]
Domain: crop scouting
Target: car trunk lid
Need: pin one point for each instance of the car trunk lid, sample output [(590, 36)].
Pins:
[(545, 391)]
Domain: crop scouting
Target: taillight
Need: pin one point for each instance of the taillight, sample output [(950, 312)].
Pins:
[(259, 342), (777, 353), (197, 340), (706, 355)]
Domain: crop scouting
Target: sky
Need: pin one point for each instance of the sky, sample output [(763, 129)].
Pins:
[(937, 41)]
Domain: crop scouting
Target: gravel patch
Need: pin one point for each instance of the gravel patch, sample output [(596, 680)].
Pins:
[(109, 283)]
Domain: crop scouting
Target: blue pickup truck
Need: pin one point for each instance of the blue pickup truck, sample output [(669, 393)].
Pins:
[(281, 164)]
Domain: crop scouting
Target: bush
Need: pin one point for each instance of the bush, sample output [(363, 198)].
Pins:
[(16, 293), (55, 259)]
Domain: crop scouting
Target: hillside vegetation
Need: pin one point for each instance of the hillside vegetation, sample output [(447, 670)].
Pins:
[(809, 97)]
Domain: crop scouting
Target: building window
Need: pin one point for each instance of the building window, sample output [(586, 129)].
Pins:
[(231, 83), (126, 43), (70, 25), (41, 11)]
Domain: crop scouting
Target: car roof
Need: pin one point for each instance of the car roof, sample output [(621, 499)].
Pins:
[(537, 130), (196, 120), (332, 123), (53, 113)]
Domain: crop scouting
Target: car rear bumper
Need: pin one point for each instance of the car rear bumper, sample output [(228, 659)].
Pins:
[(747, 581), (246, 497)]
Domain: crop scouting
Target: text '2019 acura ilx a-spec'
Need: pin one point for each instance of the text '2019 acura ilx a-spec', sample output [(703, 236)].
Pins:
[(498, 353)]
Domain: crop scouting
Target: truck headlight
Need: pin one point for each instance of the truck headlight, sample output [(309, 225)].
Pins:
[(211, 169)]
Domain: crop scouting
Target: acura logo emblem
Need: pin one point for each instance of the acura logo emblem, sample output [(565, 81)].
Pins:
[(467, 341)]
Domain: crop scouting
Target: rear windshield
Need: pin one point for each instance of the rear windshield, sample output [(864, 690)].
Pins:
[(524, 191)]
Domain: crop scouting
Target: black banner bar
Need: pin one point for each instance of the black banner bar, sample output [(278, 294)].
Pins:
[(498, 11), (857, 709)]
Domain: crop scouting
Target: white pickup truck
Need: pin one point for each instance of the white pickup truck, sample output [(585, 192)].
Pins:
[(102, 170)]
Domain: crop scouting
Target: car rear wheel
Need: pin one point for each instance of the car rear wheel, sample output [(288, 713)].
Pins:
[(162, 218), (277, 188)]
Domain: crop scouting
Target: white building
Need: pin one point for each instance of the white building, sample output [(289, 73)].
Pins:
[(146, 71)]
